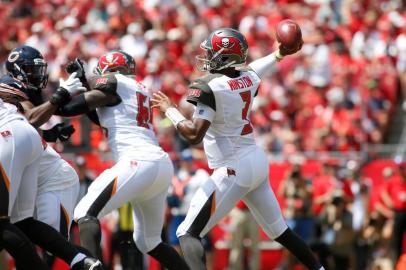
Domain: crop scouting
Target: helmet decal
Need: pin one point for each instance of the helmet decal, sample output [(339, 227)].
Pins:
[(13, 56), (228, 44)]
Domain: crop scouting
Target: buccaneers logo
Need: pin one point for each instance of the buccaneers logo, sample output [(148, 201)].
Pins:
[(110, 60), (227, 44)]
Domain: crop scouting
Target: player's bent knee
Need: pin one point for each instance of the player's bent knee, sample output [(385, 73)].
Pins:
[(275, 229), (146, 244)]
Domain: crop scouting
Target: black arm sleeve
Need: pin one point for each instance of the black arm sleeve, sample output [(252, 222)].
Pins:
[(106, 83), (76, 106), (200, 92), (92, 115)]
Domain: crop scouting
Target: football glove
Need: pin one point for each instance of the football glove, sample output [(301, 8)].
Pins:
[(76, 66), (72, 84), (59, 131)]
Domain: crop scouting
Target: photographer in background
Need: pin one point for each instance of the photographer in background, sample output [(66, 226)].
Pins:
[(297, 193)]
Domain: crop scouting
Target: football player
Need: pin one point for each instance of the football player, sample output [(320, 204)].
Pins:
[(20, 150), (143, 171), (57, 181), (223, 101)]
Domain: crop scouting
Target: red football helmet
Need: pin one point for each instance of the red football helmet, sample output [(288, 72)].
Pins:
[(225, 47), (116, 61)]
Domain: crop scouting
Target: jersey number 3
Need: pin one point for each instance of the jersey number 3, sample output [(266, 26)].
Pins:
[(246, 97), (144, 114)]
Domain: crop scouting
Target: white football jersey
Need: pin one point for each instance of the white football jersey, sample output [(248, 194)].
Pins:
[(230, 134), (128, 123), (8, 112)]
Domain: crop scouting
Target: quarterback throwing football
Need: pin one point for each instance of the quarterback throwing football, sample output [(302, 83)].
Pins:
[(223, 101)]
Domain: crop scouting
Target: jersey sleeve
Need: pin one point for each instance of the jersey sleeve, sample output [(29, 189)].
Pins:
[(205, 112), (200, 92), (106, 83), (11, 87)]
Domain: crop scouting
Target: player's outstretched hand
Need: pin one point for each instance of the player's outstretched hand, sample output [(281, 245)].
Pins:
[(72, 84), (161, 101), (76, 66), (288, 51)]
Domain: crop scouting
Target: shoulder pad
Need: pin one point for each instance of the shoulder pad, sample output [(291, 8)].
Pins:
[(106, 83), (13, 87), (200, 92)]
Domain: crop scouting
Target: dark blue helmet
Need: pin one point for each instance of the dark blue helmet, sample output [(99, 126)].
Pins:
[(27, 64)]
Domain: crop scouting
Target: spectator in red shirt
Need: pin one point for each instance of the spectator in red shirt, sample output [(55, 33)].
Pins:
[(396, 192)]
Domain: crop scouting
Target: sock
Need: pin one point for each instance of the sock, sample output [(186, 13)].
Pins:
[(193, 252), (168, 257), (299, 249), (90, 235), (20, 248), (48, 238), (77, 259)]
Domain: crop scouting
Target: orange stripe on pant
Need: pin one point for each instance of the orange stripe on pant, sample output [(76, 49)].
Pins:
[(4, 177), (213, 204)]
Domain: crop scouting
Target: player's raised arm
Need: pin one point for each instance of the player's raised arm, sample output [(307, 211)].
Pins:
[(192, 130), (39, 115), (102, 92), (289, 36)]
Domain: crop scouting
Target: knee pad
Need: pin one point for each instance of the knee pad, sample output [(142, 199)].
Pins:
[(146, 244), (89, 223)]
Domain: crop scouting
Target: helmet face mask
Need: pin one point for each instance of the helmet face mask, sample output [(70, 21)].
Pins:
[(115, 61), (223, 48), (37, 76), (27, 65)]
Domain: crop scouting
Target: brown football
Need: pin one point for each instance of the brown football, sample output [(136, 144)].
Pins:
[(288, 33)]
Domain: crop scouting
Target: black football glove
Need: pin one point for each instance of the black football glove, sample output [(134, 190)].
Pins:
[(59, 131), (76, 66)]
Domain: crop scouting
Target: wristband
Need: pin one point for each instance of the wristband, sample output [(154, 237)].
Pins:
[(278, 56), (60, 97), (174, 115)]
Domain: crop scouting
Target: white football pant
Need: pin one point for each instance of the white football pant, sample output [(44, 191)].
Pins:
[(142, 183), (226, 186), (20, 150), (55, 207)]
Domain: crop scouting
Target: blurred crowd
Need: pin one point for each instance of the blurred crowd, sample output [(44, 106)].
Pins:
[(337, 94)]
